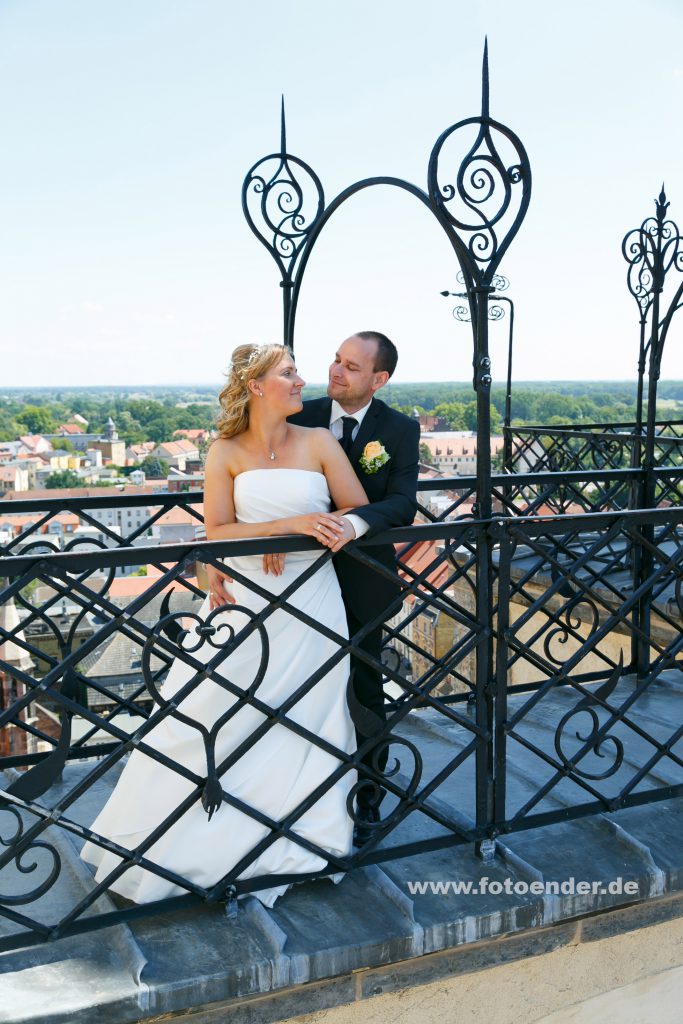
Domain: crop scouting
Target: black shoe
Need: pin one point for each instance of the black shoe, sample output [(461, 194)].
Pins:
[(363, 831)]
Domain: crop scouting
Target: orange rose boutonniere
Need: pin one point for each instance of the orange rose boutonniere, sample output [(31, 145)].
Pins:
[(374, 457)]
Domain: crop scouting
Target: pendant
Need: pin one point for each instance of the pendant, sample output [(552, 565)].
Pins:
[(273, 456)]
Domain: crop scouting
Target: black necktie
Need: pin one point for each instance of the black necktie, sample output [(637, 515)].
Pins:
[(349, 424)]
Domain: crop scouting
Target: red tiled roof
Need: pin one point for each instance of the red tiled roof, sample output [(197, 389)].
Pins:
[(32, 440), (182, 447), (447, 444), (132, 586), (419, 557), (194, 434), (179, 516), (149, 487), (572, 509), (20, 522)]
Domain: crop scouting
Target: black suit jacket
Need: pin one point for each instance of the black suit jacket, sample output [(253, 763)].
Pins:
[(391, 492)]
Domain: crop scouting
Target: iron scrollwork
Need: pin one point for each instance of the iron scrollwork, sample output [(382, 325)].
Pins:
[(282, 199), (464, 313), (570, 620), (605, 451), (40, 777), (499, 282), (478, 209), (596, 742), (19, 850), (219, 635), (650, 251), (367, 723)]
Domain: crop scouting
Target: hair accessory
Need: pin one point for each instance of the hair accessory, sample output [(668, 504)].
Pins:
[(254, 355)]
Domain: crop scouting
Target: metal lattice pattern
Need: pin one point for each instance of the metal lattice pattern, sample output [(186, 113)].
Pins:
[(594, 446), (563, 598), (573, 620), (45, 525), (96, 722)]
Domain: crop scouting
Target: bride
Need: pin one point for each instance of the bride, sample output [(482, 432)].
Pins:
[(265, 477)]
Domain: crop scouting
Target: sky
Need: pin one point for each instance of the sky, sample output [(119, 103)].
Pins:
[(127, 129)]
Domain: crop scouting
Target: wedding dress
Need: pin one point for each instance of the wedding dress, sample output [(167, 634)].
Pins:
[(282, 768)]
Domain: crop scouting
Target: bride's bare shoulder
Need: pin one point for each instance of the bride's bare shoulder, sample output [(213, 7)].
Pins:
[(222, 452), (311, 435)]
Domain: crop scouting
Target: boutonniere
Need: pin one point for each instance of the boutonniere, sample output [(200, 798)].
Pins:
[(374, 456)]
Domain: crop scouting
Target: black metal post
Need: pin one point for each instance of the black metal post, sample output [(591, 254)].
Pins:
[(507, 433), (495, 312), (642, 350), (644, 558), (637, 488), (485, 681)]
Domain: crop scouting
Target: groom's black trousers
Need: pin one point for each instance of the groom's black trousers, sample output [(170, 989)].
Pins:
[(367, 686)]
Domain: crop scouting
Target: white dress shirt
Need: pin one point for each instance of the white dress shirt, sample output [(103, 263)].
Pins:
[(337, 427)]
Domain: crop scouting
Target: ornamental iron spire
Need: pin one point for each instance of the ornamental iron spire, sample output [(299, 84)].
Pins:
[(478, 189)]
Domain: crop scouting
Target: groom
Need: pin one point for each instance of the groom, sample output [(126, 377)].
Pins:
[(383, 448)]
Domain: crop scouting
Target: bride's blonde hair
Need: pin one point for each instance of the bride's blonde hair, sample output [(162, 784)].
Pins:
[(249, 362)]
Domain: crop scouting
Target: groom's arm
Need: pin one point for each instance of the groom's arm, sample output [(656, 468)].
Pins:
[(399, 504)]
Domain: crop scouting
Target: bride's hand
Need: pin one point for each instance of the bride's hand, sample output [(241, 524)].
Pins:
[(274, 564), (326, 527), (219, 595)]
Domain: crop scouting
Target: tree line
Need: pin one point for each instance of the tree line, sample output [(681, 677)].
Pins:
[(155, 415), (136, 419)]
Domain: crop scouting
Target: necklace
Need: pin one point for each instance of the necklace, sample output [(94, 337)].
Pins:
[(272, 455)]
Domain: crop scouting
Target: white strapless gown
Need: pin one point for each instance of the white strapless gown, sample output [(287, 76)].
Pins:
[(281, 769)]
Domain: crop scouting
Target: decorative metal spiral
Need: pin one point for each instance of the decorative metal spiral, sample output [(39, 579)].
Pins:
[(498, 281), (606, 452), (368, 724), (54, 865), (282, 199), (373, 791), (570, 623), (41, 776), (650, 251), (464, 313), (485, 207), (476, 205), (281, 218), (561, 459), (597, 744)]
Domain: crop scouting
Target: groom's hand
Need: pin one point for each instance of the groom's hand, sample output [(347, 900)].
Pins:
[(348, 534), (219, 595)]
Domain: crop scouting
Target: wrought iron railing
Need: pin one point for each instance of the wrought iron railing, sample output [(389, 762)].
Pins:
[(121, 520), (27, 523), (599, 446), (568, 617)]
